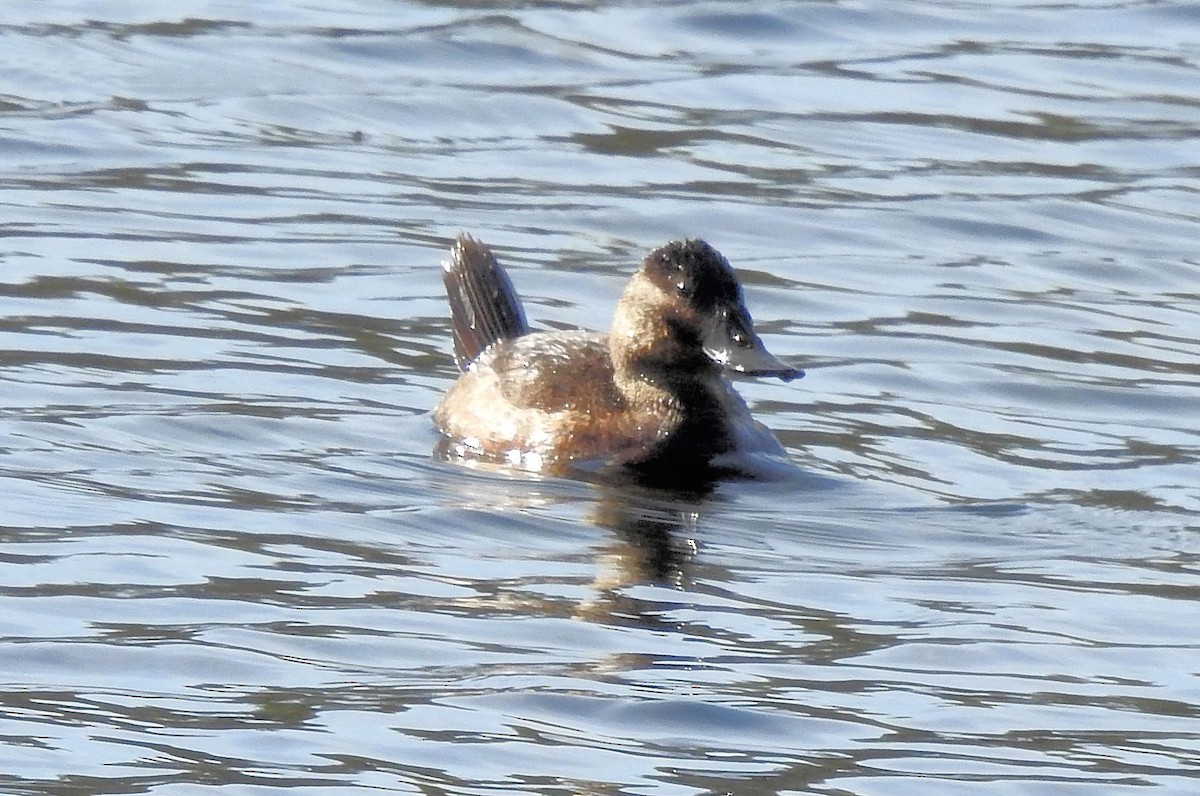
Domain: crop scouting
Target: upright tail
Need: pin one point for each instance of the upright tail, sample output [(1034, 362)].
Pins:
[(484, 307)]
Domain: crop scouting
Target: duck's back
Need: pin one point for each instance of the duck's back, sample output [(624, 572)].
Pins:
[(544, 398), (555, 371)]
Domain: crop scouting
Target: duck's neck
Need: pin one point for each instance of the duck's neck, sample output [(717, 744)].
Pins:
[(660, 366), (689, 415), (654, 353)]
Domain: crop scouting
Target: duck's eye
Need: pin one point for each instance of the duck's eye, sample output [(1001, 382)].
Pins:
[(683, 289)]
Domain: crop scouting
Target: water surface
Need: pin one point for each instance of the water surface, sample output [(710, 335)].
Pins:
[(229, 558)]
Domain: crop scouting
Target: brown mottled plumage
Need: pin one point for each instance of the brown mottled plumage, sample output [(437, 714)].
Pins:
[(649, 395)]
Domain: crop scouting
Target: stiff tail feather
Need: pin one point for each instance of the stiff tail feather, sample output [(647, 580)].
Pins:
[(484, 307)]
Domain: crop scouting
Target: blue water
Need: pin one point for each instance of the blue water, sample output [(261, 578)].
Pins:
[(230, 560)]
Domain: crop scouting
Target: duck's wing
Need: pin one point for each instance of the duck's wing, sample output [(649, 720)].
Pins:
[(556, 371), (484, 307)]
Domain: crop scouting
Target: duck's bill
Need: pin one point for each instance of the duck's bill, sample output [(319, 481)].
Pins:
[(734, 345)]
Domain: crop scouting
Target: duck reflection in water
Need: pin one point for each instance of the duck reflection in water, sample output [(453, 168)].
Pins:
[(651, 538), (649, 400)]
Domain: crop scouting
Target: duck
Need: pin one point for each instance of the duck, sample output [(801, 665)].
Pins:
[(651, 397)]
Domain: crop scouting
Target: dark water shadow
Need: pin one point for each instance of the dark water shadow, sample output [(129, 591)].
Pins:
[(654, 524)]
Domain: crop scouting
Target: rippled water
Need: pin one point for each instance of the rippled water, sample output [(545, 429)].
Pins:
[(229, 560)]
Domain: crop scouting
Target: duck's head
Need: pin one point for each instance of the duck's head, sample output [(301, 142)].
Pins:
[(684, 311)]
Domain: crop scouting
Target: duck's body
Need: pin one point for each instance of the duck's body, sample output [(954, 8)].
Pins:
[(649, 395)]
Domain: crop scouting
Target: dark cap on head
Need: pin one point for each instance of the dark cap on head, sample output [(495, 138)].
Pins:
[(694, 270)]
